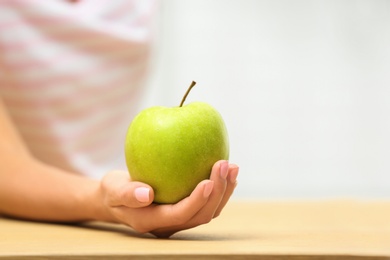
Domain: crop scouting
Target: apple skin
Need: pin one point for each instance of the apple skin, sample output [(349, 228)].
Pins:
[(173, 149)]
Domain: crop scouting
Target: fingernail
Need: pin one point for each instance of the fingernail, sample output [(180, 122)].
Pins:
[(224, 167), (208, 188), (142, 194), (234, 174)]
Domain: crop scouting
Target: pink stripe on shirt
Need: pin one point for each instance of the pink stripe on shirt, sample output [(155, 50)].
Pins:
[(73, 81)]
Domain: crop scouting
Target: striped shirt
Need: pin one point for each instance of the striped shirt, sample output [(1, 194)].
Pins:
[(71, 73)]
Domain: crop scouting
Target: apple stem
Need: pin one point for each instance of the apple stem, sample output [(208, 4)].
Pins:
[(186, 94)]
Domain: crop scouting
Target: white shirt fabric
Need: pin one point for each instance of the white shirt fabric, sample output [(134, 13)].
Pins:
[(71, 73)]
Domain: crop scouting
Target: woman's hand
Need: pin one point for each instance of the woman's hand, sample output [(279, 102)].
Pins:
[(130, 202)]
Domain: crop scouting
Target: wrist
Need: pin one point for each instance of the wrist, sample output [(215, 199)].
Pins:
[(100, 211)]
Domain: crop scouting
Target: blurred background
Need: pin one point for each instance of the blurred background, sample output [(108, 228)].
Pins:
[(304, 88)]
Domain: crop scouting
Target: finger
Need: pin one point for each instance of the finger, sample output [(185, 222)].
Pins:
[(219, 174), (185, 209), (168, 215), (231, 185), (135, 195), (124, 192)]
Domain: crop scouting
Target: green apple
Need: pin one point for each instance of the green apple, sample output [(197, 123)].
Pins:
[(174, 148)]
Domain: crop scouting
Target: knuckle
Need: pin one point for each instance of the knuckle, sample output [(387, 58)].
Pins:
[(204, 219), (122, 194), (208, 219), (216, 214), (139, 228)]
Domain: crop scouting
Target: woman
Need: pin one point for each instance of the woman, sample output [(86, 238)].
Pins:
[(70, 72)]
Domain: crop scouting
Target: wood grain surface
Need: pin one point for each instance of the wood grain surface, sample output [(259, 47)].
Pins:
[(328, 229)]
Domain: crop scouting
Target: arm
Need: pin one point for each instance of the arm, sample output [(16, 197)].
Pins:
[(33, 190)]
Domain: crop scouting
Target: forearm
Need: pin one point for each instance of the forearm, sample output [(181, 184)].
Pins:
[(33, 190)]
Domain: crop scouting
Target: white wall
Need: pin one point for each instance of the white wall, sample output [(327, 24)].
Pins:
[(304, 87)]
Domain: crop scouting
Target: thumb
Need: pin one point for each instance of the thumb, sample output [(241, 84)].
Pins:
[(136, 194), (121, 191)]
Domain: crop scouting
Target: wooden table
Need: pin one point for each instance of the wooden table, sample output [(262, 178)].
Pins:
[(338, 229)]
